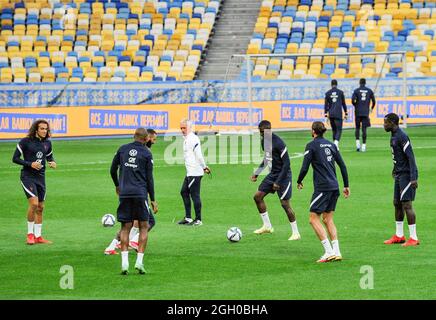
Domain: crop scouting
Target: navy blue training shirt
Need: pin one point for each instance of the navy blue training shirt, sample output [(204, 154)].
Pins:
[(276, 158), (33, 150), (402, 154), (361, 99), (334, 102), (323, 154), (135, 162)]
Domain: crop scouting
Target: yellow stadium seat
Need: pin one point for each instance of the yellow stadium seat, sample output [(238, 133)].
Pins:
[(355, 60), (382, 46), (186, 77), (131, 79), (174, 74), (319, 45), (85, 64), (337, 75), (275, 61), (314, 72), (75, 79), (270, 77), (5, 79), (341, 60), (48, 79), (302, 60), (288, 67), (146, 76), (260, 73), (252, 50), (125, 64), (292, 48), (329, 60), (92, 74), (303, 50)]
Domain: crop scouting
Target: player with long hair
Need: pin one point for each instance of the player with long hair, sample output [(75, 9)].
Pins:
[(36, 150)]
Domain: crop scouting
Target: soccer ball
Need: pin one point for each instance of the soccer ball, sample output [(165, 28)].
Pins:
[(108, 220), (234, 234)]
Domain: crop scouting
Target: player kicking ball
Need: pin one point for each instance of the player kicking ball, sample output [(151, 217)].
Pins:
[(323, 154), (279, 179)]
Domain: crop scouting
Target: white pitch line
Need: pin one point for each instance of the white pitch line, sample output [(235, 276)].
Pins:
[(296, 155), (293, 156), (92, 163)]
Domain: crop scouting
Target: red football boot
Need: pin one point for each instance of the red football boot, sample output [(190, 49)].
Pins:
[(134, 245), (394, 239), (110, 252), (30, 238), (411, 242), (42, 240)]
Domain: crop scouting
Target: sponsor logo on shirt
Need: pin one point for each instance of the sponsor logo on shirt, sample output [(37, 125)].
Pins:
[(328, 153), (132, 160)]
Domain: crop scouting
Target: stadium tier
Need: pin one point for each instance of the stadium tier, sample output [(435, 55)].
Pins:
[(343, 26), (75, 41)]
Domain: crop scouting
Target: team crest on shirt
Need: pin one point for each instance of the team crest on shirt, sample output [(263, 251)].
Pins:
[(133, 153), (328, 153), (39, 154)]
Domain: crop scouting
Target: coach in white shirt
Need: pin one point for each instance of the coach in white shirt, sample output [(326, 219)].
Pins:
[(195, 169)]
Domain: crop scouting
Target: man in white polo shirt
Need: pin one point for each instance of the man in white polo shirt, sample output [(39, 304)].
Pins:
[(195, 169)]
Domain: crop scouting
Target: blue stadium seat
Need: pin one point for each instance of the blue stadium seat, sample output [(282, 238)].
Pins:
[(138, 64)]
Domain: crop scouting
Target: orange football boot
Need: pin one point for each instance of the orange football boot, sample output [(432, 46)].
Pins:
[(395, 239), (411, 242), (30, 238), (42, 240)]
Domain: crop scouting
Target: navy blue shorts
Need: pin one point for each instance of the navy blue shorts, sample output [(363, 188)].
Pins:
[(365, 121), (324, 201), (285, 191), (131, 209), (34, 188), (403, 190)]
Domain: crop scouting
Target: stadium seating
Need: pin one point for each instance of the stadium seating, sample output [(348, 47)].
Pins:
[(342, 26), (103, 40)]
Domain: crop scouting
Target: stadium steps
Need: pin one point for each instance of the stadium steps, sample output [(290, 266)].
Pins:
[(232, 34)]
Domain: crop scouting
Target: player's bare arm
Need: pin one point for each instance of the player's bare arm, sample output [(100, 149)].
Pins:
[(154, 206)]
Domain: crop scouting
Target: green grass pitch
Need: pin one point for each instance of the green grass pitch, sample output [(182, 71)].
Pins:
[(199, 263)]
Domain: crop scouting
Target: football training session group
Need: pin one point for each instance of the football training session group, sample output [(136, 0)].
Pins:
[(217, 150)]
